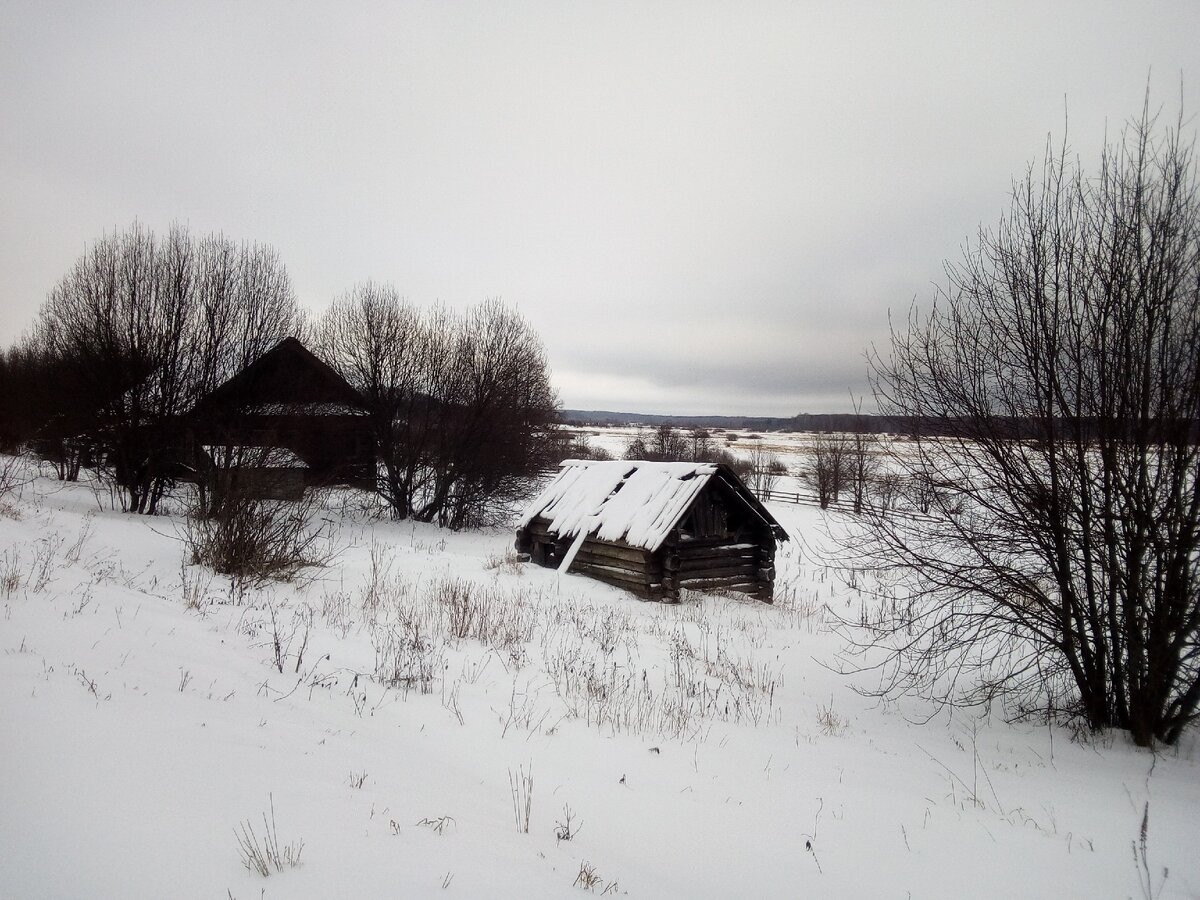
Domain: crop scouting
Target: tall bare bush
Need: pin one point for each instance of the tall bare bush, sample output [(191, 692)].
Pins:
[(462, 405), (143, 326), (1057, 382)]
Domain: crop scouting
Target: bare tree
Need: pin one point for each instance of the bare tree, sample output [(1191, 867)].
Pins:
[(862, 462), (497, 410), (701, 441), (116, 318), (384, 347), (462, 406), (765, 471), (831, 466), (662, 444), (1057, 382), (44, 404), (144, 326)]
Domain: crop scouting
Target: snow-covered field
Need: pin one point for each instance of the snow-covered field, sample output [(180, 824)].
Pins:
[(790, 446), (392, 709)]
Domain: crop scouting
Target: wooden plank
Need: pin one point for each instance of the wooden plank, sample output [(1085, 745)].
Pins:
[(701, 543), (617, 574), (712, 562), (600, 548), (701, 562), (624, 575), (741, 559), (600, 560), (540, 527), (743, 572), (710, 552)]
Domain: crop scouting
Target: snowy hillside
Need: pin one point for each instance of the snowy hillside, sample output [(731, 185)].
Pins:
[(427, 717)]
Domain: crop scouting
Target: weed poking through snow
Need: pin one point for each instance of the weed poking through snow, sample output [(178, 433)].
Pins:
[(438, 825), (1141, 860), (267, 855), (566, 828), (521, 786)]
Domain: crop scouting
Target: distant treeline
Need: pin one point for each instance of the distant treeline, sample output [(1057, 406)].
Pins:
[(911, 426), (802, 422)]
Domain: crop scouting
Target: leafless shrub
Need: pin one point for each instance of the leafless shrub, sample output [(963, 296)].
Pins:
[(1055, 382), (566, 828), (885, 491), (831, 466), (255, 540), (10, 571), (765, 471), (194, 587), (44, 564), (408, 653), (523, 710), (462, 604), (336, 611), (831, 722), (501, 619), (74, 550), (461, 405), (14, 475), (508, 563), (287, 643), (379, 582), (588, 878), (582, 448), (862, 461)]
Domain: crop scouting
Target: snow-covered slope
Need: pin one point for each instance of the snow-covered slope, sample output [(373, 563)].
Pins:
[(387, 709)]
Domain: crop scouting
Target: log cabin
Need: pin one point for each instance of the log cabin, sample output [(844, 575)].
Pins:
[(654, 528)]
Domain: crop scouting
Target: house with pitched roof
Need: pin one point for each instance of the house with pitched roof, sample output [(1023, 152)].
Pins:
[(654, 528)]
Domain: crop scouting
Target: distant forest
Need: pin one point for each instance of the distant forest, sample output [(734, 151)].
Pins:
[(803, 422), (1013, 428)]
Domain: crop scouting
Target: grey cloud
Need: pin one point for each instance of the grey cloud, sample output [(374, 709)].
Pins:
[(694, 206)]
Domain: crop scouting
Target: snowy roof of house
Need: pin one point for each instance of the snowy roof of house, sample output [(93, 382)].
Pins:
[(288, 375), (625, 500), (304, 409), (245, 456)]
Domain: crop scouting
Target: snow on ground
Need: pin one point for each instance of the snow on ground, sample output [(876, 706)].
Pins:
[(703, 750)]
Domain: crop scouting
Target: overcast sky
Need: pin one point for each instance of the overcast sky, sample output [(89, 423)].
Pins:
[(702, 207)]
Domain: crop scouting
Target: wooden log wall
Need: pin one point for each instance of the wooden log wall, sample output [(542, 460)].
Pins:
[(742, 566), (631, 568)]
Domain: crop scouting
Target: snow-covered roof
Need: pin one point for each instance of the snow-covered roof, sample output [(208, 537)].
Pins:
[(303, 409), (619, 500), (254, 457)]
